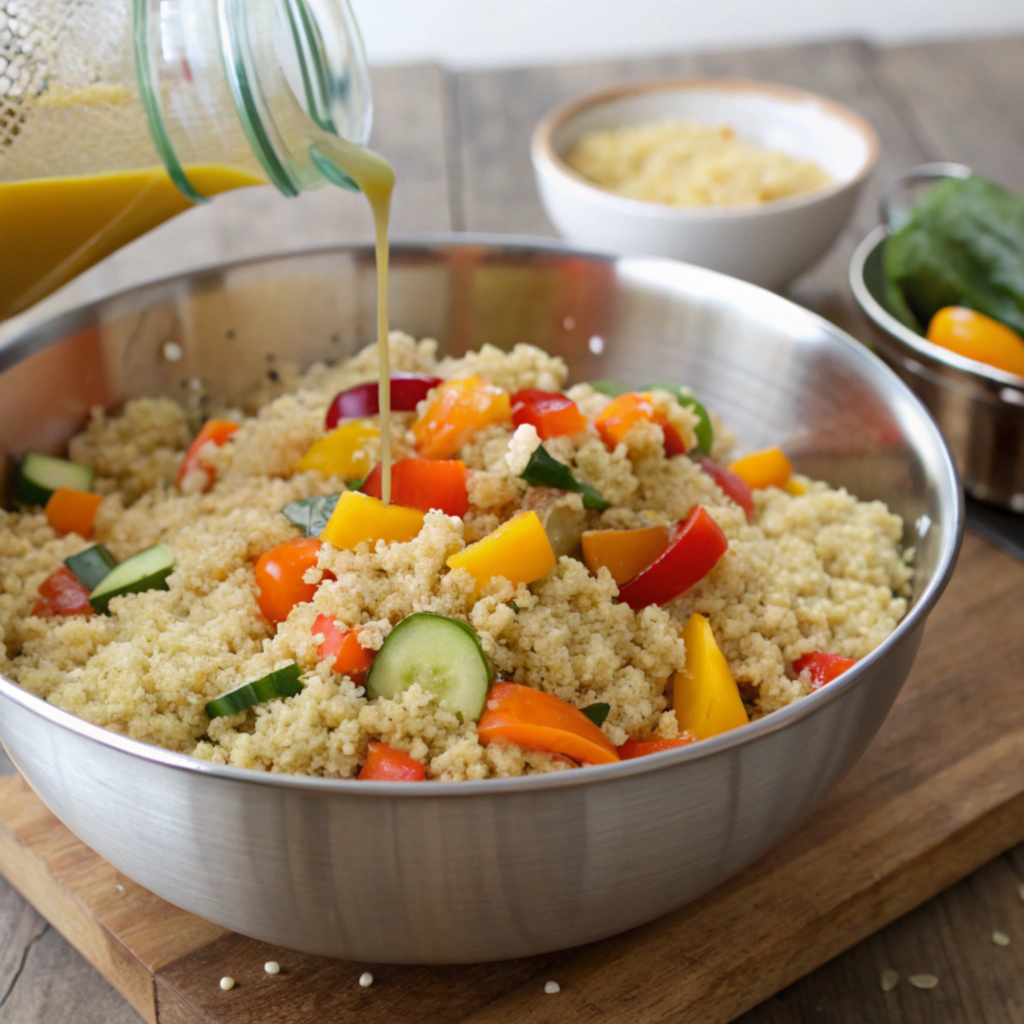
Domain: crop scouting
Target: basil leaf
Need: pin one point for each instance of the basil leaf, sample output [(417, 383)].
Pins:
[(544, 469), (310, 515), (704, 431), (597, 713), (611, 388)]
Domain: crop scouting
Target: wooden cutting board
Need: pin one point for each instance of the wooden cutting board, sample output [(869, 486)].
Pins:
[(940, 792)]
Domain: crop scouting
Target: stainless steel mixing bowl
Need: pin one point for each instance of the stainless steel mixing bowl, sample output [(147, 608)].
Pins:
[(435, 872), (979, 409)]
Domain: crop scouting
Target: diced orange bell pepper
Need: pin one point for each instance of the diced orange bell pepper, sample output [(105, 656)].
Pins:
[(386, 764), (70, 511), (705, 696), (460, 408), (358, 517), (540, 721), (623, 553), (61, 594), (641, 748), (623, 413), (519, 550), (550, 413), (343, 451), (425, 484), (213, 431), (768, 468)]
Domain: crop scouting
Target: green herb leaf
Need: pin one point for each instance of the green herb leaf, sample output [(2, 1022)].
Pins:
[(514, 607), (597, 713), (546, 470), (355, 485), (611, 388), (310, 515), (704, 431)]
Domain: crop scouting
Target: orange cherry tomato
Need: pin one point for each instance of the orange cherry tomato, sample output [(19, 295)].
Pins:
[(979, 337), (279, 576)]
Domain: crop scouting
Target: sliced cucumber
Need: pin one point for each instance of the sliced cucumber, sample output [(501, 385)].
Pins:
[(92, 566), (148, 570), (443, 655), (704, 431), (282, 683), (41, 475)]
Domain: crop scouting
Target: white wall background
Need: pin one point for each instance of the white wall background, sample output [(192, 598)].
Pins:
[(469, 33)]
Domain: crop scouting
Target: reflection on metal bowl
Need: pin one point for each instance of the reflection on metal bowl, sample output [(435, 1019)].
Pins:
[(449, 872)]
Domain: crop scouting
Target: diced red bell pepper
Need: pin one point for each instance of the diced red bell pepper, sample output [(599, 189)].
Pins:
[(732, 484), (822, 667), (692, 552), (62, 594), (216, 431), (425, 484), (347, 655), (641, 748), (551, 413), (407, 391), (385, 764)]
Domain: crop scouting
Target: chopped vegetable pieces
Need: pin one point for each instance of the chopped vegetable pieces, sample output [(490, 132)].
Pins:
[(342, 649), (704, 430), (611, 388), (693, 550), (342, 452), (425, 484), (41, 475), (768, 468), (732, 484), (279, 575), (978, 337), (705, 696), (358, 518), (623, 553), (546, 470), (148, 570), (91, 566), (460, 408), (444, 656), (519, 550), (597, 713), (216, 432), (551, 413), (536, 720), (70, 511), (622, 414), (407, 391), (61, 594), (386, 764), (822, 667), (282, 683), (311, 515), (641, 748)]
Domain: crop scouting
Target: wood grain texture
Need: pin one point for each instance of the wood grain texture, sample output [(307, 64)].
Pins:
[(934, 798)]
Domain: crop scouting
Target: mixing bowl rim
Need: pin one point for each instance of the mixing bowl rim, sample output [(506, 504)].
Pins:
[(989, 378), (31, 340), (548, 161)]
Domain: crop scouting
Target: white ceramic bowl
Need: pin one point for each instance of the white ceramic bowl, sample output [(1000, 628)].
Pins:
[(769, 244)]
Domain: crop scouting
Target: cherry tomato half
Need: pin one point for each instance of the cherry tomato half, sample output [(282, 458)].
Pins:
[(279, 576)]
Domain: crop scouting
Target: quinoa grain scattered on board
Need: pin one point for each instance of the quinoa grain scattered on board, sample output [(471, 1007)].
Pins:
[(818, 571), (1000, 938), (365, 979), (890, 979), (552, 988), (923, 981), (227, 984)]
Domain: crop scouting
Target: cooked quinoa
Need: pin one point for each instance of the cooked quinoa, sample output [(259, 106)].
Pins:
[(818, 571)]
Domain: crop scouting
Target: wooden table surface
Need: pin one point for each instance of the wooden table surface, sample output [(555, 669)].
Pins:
[(459, 144)]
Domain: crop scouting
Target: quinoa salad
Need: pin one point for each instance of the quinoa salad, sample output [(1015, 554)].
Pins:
[(565, 575)]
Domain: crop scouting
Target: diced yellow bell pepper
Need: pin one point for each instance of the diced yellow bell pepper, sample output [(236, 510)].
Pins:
[(705, 696), (519, 550), (343, 451), (769, 468), (358, 517), (796, 488)]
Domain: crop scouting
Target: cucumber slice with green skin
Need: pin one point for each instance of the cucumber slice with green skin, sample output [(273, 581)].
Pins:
[(704, 431), (443, 655), (282, 683), (148, 570), (41, 475), (92, 566)]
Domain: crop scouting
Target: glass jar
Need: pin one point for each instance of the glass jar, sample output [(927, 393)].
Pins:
[(117, 114)]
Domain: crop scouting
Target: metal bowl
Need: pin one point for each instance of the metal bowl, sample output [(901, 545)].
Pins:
[(979, 409), (435, 872)]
